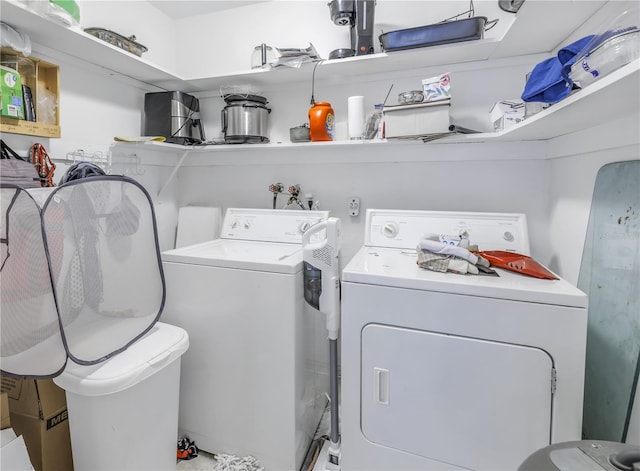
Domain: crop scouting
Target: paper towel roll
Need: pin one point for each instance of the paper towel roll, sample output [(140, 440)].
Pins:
[(355, 114), (197, 224)]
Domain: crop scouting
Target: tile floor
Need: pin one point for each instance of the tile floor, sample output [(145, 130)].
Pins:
[(206, 461), (203, 462)]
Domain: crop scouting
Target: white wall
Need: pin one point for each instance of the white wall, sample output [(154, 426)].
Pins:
[(571, 185), (221, 43), (455, 186), (152, 28), (94, 107), (475, 181), (555, 194), (475, 87), (97, 105)]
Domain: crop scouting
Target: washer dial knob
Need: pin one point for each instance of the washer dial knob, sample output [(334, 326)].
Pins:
[(390, 230)]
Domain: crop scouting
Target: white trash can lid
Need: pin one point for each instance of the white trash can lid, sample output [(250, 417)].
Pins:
[(158, 348)]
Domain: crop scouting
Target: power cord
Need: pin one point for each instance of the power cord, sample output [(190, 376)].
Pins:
[(187, 119), (313, 81)]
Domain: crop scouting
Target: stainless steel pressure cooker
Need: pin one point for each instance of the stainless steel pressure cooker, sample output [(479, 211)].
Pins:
[(245, 119)]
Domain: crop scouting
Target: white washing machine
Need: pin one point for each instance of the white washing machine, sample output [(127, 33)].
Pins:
[(255, 378), (442, 371)]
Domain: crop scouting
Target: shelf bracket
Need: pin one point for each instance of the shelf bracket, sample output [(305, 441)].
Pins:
[(173, 174)]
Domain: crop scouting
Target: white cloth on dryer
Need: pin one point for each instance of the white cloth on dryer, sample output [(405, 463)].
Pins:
[(448, 254)]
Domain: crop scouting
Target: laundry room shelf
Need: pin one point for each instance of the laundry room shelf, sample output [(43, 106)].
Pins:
[(172, 155), (42, 78), (612, 97), (76, 43)]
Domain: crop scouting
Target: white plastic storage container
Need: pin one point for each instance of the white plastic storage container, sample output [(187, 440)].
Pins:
[(123, 413), (417, 120)]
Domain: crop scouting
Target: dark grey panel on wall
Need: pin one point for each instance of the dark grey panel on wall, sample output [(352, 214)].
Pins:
[(610, 275)]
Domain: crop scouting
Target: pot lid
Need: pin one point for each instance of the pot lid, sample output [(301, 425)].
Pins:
[(232, 97)]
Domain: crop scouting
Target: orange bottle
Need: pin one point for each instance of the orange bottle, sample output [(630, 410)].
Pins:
[(321, 121)]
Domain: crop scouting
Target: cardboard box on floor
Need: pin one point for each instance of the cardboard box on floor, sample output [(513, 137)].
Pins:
[(5, 421), (38, 411)]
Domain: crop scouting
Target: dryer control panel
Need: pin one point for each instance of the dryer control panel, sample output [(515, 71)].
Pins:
[(489, 231), (269, 225)]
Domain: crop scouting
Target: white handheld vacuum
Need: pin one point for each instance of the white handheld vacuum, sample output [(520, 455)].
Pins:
[(322, 291)]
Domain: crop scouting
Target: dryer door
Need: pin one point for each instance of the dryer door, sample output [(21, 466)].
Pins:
[(472, 403)]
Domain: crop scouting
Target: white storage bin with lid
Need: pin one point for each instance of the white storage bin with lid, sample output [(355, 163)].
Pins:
[(417, 120), (123, 413)]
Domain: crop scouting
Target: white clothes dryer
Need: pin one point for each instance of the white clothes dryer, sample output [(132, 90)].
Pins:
[(442, 371), (255, 378)]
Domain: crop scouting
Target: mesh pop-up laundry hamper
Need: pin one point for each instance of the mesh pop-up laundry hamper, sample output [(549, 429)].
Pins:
[(81, 291), (81, 275)]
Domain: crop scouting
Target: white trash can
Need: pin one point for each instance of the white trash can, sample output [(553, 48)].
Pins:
[(123, 412)]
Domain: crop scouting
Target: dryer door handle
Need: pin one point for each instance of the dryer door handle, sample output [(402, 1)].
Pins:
[(381, 386)]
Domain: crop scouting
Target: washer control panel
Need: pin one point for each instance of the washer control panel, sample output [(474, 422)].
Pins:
[(269, 225), (489, 231)]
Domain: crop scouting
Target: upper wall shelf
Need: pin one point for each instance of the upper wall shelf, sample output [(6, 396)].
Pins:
[(362, 66), (358, 152), (613, 96), (77, 43)]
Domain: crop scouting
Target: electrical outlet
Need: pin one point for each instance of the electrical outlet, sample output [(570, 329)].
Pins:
[(353, 206)]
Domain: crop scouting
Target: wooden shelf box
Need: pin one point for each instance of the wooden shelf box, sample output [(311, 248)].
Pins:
[(43, 78)]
